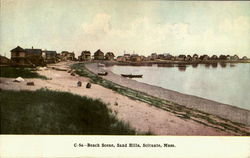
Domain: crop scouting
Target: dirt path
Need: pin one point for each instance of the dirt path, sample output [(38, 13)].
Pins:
[(139, 115)]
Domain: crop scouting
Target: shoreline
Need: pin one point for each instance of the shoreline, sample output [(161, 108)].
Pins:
[(169, 63), (226, 111)]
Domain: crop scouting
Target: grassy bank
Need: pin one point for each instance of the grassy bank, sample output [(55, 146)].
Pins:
[(179, 110), (13, 72), (51, 112)]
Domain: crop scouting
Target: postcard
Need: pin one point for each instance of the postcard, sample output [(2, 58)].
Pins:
[(131, 78)]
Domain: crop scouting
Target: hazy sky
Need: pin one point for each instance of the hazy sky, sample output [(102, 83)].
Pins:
[(133, 25)]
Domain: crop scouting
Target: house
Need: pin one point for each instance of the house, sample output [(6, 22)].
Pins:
[(127, 57), (161, 56), (99, 55), (35, 56), (49, 56), (143, 58), (135, 58), (181, 57), (168, 56), (235, 57), (154, 56), (65, 55), (195, 57), (223, 57), (85, 56), (214, 57), (188, 58), (19, 57), (109, 56), (4, 60), (148, 58), (244, 58), (58, 57), (204, 57), (27, 57), (120, 58)]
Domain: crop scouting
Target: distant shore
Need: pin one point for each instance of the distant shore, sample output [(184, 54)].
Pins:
[(170, 63), (222, 110)]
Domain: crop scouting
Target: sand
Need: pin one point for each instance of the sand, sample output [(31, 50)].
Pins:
[(141, 116)]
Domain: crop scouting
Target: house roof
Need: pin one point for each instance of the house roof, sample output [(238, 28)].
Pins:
[(17, 49), (134, 55), (110, 54), (30, 51), (98, 52), (50, 52), (182, 56), (3, 57), (64, 52), (86, 52)]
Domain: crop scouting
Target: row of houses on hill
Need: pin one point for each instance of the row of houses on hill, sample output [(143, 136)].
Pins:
[(182, 57), (98, 55), (194, 57), (38, 57), (132, 57)]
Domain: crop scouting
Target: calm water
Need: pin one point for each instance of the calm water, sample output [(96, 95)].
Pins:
[(227, 83)]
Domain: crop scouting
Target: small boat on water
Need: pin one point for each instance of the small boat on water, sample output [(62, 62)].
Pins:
[(102, 73), (131, 76), (101, 65)]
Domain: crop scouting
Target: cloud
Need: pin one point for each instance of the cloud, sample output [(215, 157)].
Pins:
[(144, 36), (141, 34), (237, 26), (99, 26)]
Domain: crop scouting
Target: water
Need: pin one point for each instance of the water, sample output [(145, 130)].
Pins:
[(225, 83)]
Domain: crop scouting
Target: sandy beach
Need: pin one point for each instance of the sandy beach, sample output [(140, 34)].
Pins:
[(141, 116)]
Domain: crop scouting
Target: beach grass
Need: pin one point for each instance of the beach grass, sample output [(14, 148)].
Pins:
[(51, 112), (24, 72), (179, 110)]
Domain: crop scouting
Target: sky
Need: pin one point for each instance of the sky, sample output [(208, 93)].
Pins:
[(130, 26)]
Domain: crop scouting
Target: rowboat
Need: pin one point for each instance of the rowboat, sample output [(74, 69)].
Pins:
[(103, 73), (131, 76), (101, 65)]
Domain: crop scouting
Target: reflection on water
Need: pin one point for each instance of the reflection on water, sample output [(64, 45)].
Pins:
[(194, 65), (226, 83), (182, 68), (207, 65), (223, 65), (214, 65)]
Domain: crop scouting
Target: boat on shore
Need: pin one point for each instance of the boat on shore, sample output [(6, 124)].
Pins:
[(131, 76), (102, 73)]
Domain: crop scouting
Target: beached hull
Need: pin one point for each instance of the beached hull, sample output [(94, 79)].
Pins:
[(132, 76), (103, 74)]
